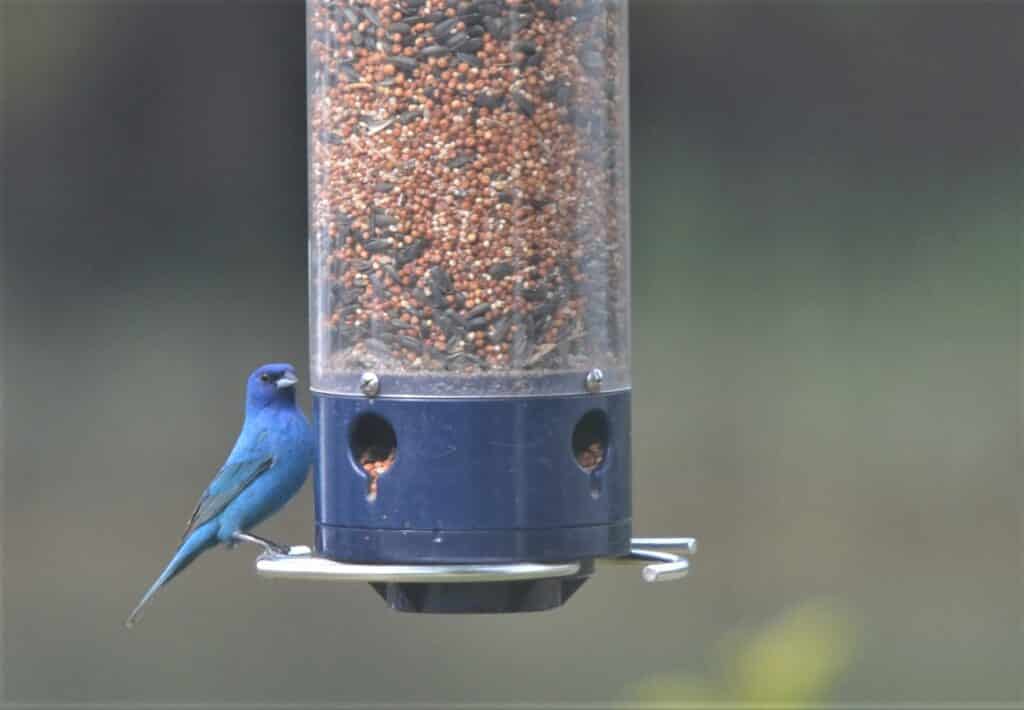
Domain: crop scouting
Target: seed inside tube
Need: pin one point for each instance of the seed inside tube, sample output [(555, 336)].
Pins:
[(468, 176)]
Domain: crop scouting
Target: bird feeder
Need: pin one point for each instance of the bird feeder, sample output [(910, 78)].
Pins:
[(469, 291)]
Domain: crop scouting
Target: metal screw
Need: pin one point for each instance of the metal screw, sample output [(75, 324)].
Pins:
[(593, 382), (369, 384)]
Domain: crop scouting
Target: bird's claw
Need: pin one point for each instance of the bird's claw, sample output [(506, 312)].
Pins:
[(269, 547)]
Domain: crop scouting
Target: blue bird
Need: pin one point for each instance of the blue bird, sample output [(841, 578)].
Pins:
[(265, 469)]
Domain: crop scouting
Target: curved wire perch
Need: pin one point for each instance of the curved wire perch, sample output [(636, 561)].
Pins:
[(682, 545), (666, 565)]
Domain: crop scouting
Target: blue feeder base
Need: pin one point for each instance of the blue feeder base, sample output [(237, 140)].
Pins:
[(474, 481), (446, 546)]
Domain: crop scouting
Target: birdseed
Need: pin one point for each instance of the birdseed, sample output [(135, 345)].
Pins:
[(468, 184)]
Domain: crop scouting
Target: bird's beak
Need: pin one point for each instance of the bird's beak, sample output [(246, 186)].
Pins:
[(288, 379)]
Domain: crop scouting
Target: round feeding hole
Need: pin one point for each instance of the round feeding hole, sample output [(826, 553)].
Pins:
[(590, 440), (374, 447)]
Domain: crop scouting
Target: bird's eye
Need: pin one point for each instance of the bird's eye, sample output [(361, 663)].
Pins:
[(265, 377)]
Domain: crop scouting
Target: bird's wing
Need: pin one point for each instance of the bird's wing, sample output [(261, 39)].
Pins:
[(242, 468)]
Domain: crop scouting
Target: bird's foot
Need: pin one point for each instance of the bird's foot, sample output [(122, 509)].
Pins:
[(269, 547)]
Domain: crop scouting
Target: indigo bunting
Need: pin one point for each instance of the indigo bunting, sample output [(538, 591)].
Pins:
[(265, 469)]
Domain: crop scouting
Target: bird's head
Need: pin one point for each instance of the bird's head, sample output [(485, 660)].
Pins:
[(271, 384)]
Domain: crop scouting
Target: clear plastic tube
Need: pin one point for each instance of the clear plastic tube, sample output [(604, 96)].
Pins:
[(468, 195)]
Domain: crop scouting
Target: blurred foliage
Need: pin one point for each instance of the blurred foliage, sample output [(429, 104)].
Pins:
[(796, 658), (827, 269)]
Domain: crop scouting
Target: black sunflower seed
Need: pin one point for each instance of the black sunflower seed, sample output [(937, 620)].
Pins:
[(478, 310), (473, 44), (434, 50), (372, 16), (442, 29), (403, 63), (461, 160), (456, 39), (350, 73), (534, 295), (524, 104), (410, 342)]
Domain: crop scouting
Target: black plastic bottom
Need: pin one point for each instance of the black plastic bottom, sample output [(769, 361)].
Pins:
[(482, 597)]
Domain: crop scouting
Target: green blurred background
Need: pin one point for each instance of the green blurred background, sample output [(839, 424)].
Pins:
[(826, 295)]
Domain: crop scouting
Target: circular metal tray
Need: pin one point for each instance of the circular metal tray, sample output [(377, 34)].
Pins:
[(663, 559)]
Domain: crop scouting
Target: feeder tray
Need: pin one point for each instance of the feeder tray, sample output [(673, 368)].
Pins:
[(479, 588)]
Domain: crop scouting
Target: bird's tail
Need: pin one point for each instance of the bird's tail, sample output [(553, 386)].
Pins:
[(195, 544)]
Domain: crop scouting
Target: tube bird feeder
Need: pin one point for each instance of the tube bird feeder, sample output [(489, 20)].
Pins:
[(469, 295)]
